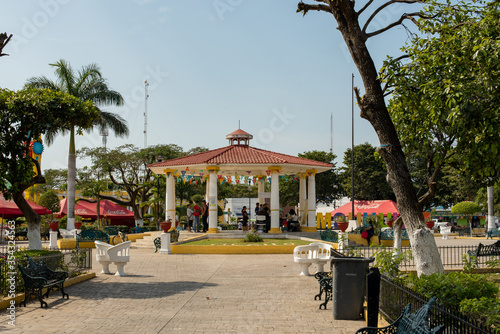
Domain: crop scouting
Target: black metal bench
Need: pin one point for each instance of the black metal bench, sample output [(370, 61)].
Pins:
[(484, 250), (38, 277), (91, 235), (325, 281), (407, 322), (174, 237), (493, 233), (325, 287)]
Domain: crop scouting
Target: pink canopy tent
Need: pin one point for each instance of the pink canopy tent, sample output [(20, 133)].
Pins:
[(107, 209), (368, 208), (9, 209)]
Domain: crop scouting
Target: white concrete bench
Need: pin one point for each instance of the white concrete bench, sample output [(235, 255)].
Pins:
[(445, 231), (305, 256), (67, 233), (323, 256), (118, 254)]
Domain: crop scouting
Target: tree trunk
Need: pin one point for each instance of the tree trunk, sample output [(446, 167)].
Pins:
[(373, 109), (397, 226), (32, 219), (71, 181)]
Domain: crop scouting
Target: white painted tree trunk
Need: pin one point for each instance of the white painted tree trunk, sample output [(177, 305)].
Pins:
[(35, 242), (491, 211)]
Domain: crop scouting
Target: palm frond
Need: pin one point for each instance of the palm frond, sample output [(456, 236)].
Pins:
[(65, 76), (42, 82), (115, 122)]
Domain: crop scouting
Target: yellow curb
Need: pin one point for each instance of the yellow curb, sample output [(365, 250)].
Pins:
[(5, 302), (247, 249)]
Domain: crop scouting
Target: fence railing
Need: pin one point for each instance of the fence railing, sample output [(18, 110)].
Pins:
[(71, 260), (451, 256), (394, 297)]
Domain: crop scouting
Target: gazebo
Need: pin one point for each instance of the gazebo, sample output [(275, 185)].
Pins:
[(237, 160)]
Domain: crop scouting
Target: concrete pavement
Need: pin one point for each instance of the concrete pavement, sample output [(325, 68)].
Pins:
[(190, 294), (187, 294)]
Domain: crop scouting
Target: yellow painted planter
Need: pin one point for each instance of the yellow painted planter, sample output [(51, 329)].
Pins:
[(247, 249), (375, 242)]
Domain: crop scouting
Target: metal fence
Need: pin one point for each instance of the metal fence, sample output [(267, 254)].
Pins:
[(450, 255), (394, 297), (74, 261)]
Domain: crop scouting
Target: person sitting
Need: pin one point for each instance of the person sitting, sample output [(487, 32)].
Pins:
[(293, 221)]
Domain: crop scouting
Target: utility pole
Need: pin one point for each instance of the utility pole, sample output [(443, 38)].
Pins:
[(146, 96)]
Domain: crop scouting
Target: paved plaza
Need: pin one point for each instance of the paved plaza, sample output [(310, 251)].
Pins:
[(189, 294)]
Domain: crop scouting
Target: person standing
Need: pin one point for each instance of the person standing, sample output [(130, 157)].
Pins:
[(371, 231), (189, 213), (244, 221), (204, 215), (196, 216)]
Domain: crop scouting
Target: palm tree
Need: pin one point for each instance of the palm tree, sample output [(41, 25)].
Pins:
[(88, 85)]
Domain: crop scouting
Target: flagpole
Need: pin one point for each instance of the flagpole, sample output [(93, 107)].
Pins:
[(352, 145)]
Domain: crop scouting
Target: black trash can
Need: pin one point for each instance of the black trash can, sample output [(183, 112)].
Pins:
[(349, 278)]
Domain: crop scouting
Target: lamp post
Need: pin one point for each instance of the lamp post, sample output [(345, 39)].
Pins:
[(159, 159)]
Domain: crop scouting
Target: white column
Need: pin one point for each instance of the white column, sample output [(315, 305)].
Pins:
[(275, 200), (53, 240), (302, 197), (260, 188), (212, 200), (170, 197), (491, 212), (311, 199)]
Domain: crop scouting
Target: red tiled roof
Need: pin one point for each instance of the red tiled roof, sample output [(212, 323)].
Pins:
[(239, 132), (239, 154)]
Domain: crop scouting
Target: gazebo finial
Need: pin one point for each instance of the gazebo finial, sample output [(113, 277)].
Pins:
[(239, 137)]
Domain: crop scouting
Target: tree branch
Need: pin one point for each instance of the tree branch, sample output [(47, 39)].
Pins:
[(4, 39), (403, 17), (304, 8), (365, 7), (379, 9)]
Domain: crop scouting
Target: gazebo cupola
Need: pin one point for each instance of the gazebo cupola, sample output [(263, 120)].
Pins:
[(239, 137)]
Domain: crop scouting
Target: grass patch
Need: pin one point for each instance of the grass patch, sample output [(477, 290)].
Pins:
[(240, 242)]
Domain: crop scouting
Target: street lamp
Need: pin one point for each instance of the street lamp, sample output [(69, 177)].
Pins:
[(159, 159)]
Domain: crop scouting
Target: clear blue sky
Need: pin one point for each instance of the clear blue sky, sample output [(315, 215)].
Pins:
[(210, 65)]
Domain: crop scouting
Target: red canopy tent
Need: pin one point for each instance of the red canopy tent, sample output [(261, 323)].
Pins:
[(107, 209), (9, 209), (368, 208)]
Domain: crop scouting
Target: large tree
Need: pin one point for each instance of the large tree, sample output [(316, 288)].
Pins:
[(127, 168), (87, 85), (373, 108), (445, 94), (26, 115), (369, 174)]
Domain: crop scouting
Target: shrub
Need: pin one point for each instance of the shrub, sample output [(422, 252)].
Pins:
[(253, 237), (388, 264), (454, 287), (485, 310)]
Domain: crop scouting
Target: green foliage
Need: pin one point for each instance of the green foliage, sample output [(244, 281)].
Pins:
[(454, 287), (388, 263), (369, 174), (466, 208), (449, 87), (253, 237), (50, 200), (469, 266), (493, 263), (342, 219), (197, 198), (485, 310), (35, 112)]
